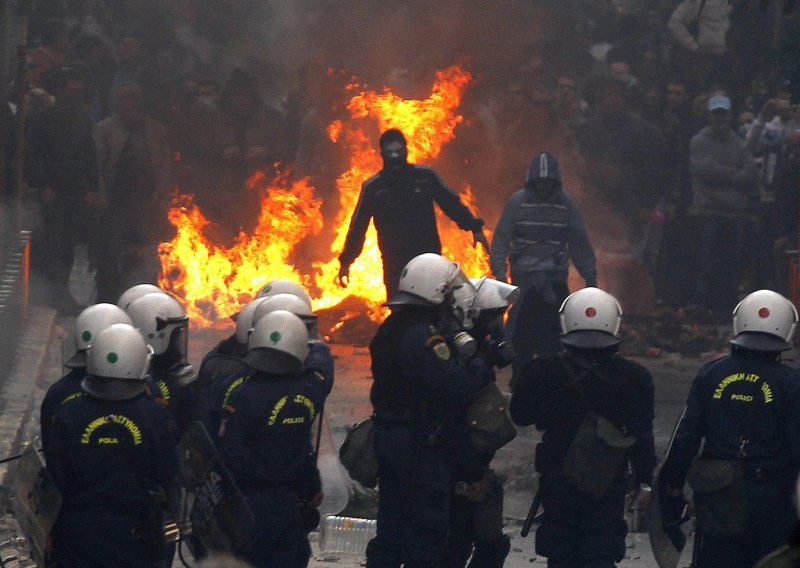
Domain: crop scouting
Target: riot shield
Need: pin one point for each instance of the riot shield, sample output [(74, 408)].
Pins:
[(667, 543), (37, 502), (220, 518)]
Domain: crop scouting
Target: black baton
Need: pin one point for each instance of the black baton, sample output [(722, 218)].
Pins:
[(537, 501)]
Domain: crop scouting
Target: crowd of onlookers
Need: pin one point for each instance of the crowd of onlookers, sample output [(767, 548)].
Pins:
[(129, 99)]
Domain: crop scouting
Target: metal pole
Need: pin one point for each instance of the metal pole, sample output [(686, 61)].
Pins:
[(21, 95)]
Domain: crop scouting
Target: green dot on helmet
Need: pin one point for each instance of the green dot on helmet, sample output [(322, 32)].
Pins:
[(112, 357), (405, 273), (86, 335), (275, 336)]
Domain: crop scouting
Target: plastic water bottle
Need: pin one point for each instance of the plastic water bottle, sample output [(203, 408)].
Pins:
[(346, 535)]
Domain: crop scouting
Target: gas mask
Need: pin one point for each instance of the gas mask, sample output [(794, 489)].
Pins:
[(454, 320), (394, 154)]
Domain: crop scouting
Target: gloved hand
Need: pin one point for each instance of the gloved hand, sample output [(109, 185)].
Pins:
[(343, 278), (500, 353)]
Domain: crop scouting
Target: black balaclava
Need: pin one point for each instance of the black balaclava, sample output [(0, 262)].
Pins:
[(393, 149)]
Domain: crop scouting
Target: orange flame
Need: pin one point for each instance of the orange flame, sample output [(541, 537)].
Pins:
[(216, 282)]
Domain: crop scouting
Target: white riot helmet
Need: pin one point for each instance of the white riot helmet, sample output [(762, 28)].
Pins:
[(427, 280), (162, 322), (764, 321), (244, 320), (290, 303), (136, 292), (88, 324), (278, 344), (282, 286), (491, 298), (118, 363), (590, 319)]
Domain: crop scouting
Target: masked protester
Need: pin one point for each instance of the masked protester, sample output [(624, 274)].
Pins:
[(420, 395), (165, 326), (539, 233), (88, 324), (596, 411), (745, 407), (265, 440), (400, 199), (112, 450)]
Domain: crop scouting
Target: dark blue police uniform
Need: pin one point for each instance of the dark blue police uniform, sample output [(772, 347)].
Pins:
[(578, 530), (419, 394), (64, 390), (219, 363), (105, 458), (745, 392), (318, 368), (184, 402), (265, 440)]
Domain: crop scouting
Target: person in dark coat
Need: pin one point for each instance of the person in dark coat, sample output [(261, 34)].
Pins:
[(745, 407), (111, 450), (583, 525), (400, 199), (420, 394)]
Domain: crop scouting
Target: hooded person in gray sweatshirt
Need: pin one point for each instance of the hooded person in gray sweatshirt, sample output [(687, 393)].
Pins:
[(538, 234)]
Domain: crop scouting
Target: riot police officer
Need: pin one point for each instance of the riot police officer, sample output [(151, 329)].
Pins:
[(476, 527), (226, 372), (419, 387), (596, 411), (111, 451), (265, 440), (225, 358), (745, 407), (164, 324), (88, 324)]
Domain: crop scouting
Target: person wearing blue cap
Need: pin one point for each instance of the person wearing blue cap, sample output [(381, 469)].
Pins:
[(724, 201)]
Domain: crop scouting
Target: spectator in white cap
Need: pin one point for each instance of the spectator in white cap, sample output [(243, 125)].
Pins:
[(724, 199)]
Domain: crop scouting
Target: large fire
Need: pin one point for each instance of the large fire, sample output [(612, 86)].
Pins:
[(216, 281)]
